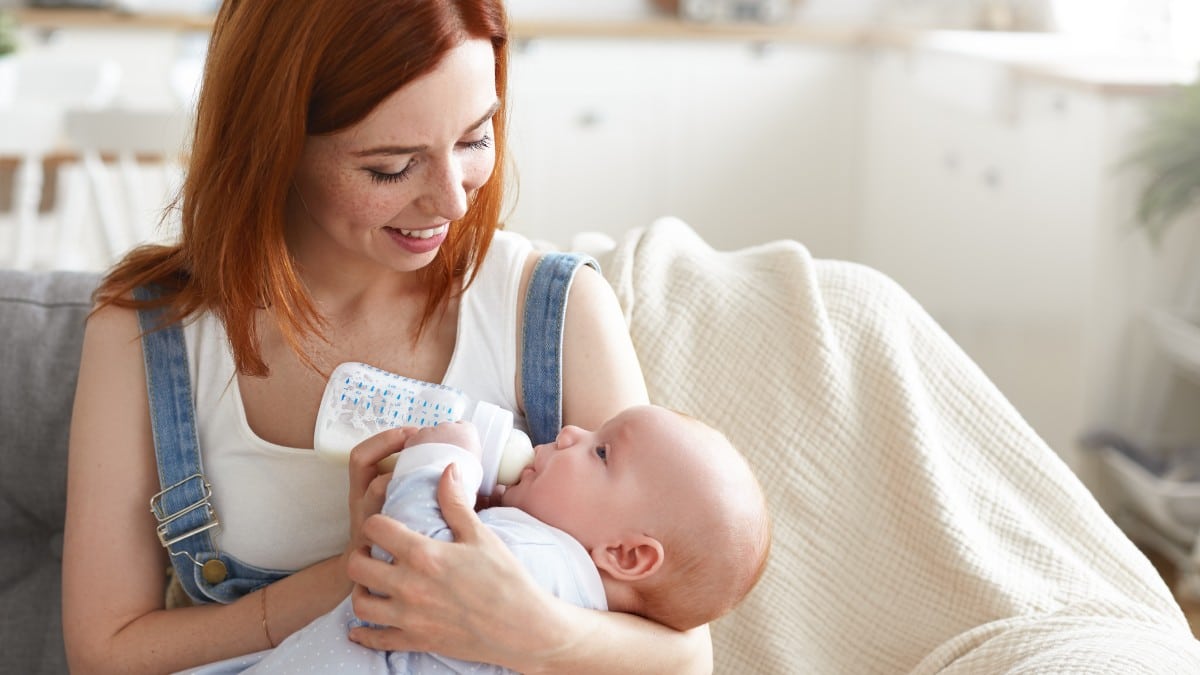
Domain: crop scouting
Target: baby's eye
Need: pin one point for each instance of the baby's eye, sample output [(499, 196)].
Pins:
[(602, 452)]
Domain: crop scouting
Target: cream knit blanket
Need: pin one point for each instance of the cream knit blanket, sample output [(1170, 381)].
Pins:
[(920, 525)]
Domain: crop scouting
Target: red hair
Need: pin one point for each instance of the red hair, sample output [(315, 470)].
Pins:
[(277, 72)]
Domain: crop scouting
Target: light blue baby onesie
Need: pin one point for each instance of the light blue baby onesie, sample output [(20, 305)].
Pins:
[(557, 562)]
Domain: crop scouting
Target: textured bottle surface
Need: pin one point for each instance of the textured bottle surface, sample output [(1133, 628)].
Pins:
[(361, 400)]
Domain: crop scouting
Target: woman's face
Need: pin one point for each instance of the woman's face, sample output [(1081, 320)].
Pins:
[(388, 188)]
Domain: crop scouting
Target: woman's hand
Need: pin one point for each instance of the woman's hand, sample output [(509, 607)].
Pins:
[(368, 481), (470, 599)]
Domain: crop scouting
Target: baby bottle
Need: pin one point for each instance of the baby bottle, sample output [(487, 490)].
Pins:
[(361, 401)]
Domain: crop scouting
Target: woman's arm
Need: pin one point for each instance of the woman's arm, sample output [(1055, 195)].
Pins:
[(474, 601), (113, 565), (601, 373), (471, 600)]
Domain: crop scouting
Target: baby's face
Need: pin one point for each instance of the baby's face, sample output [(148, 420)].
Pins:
[(592, 484)]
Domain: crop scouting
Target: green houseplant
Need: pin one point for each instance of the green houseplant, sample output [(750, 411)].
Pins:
[(8, 33), (8, 45), (1168, 151)]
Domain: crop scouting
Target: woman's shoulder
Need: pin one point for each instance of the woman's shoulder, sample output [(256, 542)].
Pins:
[(509, 259), (509, 244), (112, 322), (111, 355), (510, 263)]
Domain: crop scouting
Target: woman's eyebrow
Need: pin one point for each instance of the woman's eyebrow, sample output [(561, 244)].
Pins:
[(410, 150), (486, 116)]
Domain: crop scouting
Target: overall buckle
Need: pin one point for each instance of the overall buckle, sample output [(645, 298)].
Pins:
[(158, 508)]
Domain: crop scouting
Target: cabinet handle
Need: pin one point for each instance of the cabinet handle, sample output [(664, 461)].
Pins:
[(589, 119), (992, 177)]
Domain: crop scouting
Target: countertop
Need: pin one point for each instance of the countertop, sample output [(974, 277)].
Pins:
[(1044, 56), (1052, 57)]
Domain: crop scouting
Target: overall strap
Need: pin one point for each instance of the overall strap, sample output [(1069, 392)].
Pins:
[(541, 351), (183, 508)]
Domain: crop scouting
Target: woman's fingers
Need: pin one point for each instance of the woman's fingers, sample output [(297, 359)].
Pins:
[(382, 639), (458, 507), (365, 457), (368, 486), (369, 503), (382, 635), (407, 595), (470, 599)]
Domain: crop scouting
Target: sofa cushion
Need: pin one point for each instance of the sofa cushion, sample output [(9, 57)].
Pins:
[(41, 316)]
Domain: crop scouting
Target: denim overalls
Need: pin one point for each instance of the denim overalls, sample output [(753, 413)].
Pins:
[(184, 510)]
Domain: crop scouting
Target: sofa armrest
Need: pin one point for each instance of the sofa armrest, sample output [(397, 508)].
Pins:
[(41, 317)]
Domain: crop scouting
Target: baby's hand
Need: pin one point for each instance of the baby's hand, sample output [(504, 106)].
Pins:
[(462, 434)]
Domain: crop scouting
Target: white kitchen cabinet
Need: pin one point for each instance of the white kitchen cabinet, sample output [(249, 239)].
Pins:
[(587, 137), (765, 144), (989, 197), (992, 203), (747, 142), (980, 211)]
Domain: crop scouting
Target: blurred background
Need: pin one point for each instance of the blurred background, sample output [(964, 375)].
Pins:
[(995, 157)]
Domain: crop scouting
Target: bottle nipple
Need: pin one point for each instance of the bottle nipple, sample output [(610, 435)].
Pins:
[(506, 449), (516, 455)]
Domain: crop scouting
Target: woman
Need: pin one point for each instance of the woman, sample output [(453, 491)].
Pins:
[(341, 204)]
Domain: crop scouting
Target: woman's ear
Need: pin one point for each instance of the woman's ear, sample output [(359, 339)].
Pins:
[(632, 558)]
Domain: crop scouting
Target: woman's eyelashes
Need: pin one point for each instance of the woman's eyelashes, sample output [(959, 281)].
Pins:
[(481, 144), (387, 177)]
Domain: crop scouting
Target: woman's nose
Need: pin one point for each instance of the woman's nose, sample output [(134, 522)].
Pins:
[(444, 195)]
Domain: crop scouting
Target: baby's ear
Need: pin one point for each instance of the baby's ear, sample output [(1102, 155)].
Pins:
[(632, 558)]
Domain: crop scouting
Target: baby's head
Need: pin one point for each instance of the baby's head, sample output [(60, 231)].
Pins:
[(667, 508)]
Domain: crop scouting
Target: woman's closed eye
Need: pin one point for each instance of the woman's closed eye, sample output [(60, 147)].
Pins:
[(379, 176), (483, 143), (386, 177)]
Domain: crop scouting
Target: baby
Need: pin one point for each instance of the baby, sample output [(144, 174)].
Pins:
[(654, 514)]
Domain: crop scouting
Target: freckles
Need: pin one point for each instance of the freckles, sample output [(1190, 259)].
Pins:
[(379, 202), (366, 201), (484, 173), (356, 195), (328, 187)]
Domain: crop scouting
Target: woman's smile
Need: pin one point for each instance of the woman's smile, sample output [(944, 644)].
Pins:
[(418, 241)]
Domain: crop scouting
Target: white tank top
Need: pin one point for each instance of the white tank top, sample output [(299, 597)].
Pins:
[(284, 508)]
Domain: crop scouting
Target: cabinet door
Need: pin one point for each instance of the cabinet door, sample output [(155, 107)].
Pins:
[(587, 145), (765, 144), (981, 211), (747, 143), (985, 209)]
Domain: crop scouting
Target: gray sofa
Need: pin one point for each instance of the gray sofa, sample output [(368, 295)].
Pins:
[(41, 316)]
